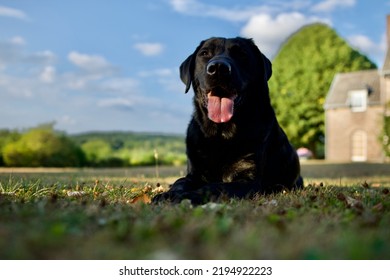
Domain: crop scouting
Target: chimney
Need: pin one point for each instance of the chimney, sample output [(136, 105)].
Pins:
[(386, 64), (388, 31)]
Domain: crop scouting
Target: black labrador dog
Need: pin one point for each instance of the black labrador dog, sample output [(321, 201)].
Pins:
[(235, 146)]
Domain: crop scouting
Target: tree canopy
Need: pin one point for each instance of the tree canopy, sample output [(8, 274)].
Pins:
[(303, 71), (42, 146)]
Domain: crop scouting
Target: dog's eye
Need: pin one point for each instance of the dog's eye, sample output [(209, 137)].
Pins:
[(204, 53)]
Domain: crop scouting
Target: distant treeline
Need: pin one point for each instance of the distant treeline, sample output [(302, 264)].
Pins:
[(43, 146)]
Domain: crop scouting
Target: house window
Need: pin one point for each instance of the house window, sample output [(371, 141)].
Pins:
[(359, 146), (358, 100)]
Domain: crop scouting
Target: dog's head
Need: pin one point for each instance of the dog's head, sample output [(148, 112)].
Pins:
[(223, 72)]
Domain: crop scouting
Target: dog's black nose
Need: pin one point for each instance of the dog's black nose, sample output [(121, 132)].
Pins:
[(218, 67)]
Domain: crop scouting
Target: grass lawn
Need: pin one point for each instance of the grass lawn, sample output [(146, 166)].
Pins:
[(104, 214)]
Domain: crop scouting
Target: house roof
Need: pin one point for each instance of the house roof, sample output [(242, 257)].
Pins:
[(343, 83)]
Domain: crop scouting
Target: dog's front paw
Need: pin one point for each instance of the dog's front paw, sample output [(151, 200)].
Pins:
[(169, 196), (176, 197)]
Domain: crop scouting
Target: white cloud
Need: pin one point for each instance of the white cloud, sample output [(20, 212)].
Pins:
[(94, 94), (17, 40), (161, 72), (12, 86), (65, 120), (42, 57), (121, 85), (362, 42), (12, 51), (78, 82), (119, 103), (269, 24), (90, 63), (149, 49), (48, 74), (283, 25), (183, 6), (13, 13), (172, 84), (97, 75), (94, 69), (196, 8), (24, 74), (367, 46), (168, 78), (13, 54), (330, 5)]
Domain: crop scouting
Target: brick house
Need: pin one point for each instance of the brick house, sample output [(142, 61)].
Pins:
[(354, 111)]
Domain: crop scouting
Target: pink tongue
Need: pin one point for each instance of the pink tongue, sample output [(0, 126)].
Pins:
[(220, 109)]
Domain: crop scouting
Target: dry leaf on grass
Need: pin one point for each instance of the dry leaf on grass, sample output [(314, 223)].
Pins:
[(350, 202), (159, 189), (378, 207), (147, 188), (354, 203), (143, 198)]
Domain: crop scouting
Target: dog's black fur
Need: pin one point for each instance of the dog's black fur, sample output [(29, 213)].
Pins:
[(235, 146)]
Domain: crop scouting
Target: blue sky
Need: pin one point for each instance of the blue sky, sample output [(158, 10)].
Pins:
[(113, 65)]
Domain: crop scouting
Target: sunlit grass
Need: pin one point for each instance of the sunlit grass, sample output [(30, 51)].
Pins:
[(99, 215)]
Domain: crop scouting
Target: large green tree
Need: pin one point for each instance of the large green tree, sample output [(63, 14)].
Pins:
[(42, 146), (303, 71)]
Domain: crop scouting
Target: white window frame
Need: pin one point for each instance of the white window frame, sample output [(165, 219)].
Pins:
[(358, 100)]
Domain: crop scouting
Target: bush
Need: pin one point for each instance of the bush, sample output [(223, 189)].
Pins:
[(175, 159), (42, 147), (141, 157), (6, 137)]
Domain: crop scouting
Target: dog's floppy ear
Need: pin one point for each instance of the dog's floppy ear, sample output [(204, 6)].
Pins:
[(267, 67), (187, 68), (187, 71), (263, 59)]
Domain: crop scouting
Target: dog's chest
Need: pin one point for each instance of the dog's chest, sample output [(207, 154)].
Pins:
[(225, 161)]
